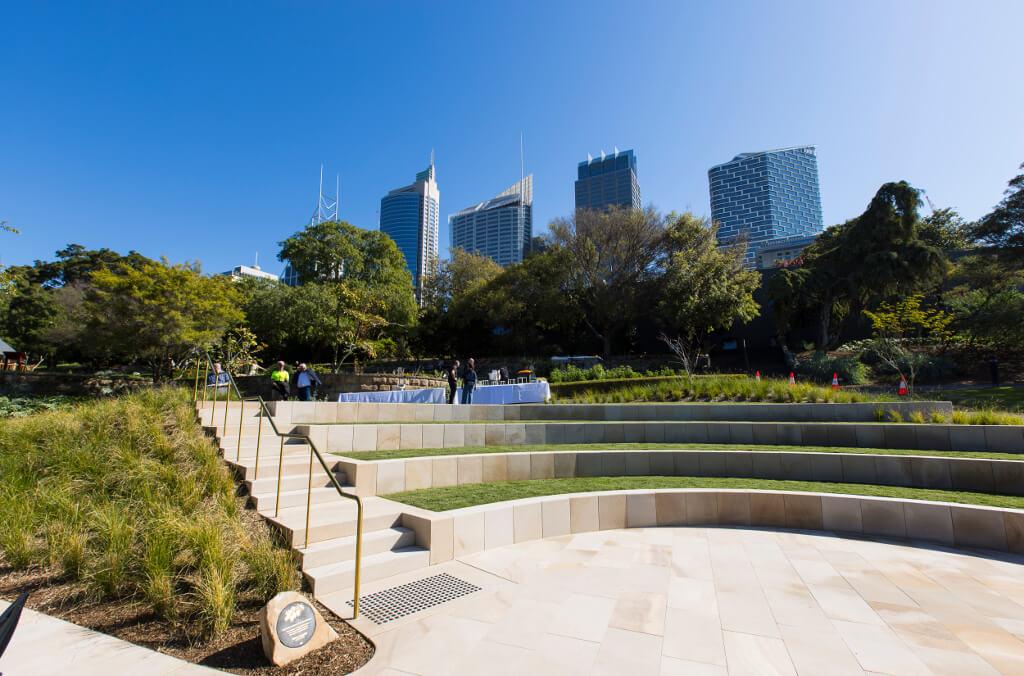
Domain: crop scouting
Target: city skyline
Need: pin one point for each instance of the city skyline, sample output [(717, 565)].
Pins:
[(116, 135)]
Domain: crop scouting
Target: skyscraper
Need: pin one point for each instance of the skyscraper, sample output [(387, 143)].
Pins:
[(610, 180), (500, 227), (767, 196), (409, 216)]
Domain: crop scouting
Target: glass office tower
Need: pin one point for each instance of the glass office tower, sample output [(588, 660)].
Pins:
[(766, 196), (409, 215), (500, 227), (608, 180)]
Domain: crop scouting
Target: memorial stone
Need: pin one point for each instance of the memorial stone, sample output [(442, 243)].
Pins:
[(290, 628)]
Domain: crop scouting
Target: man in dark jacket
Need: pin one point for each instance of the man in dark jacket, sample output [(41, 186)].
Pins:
[(453, 380), (305, 382), (468, 381)]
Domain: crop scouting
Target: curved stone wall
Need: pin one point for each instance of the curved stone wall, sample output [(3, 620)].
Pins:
[(474, 529), (982, 475)]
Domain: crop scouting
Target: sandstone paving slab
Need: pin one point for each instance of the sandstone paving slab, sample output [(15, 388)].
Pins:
[(674, 600)]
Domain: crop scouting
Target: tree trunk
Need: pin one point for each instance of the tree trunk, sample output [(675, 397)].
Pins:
[(606, 341), (824, 318)]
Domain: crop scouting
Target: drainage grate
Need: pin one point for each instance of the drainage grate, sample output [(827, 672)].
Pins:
[(395, 603)]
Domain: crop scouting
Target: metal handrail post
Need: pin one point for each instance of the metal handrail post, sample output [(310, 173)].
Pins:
[(238, 446), (227, 402), (206, 376), (359, 557), (195, 389), (280, 468), (309, 492), (259, 431), (213, 415)]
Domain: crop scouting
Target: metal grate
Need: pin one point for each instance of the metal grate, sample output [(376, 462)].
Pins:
[(395, 603)]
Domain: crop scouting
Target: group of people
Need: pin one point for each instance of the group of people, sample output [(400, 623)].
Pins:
[(468, 381), (306, 382)]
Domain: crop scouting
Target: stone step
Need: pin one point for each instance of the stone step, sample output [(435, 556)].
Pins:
[(340, 550), (266, 502), (335, 577), (332, 520), (248, 453), (297, 465), (267, 483)]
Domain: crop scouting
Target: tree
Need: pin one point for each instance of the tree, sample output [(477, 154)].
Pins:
[(339, 317), (156, 313), (450, 318), (31, 312), (367, 261), (903, 333), (705, 288), (986, 302), (75, 264), (874, 257), (945, 229), (1004, 226), (611, 254)]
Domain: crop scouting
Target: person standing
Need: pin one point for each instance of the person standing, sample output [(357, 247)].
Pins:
[(453, 380), (280, 380), (305, 381), (468, 381), (219, 379)]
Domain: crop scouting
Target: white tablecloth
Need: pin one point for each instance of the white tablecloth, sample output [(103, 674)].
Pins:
[(433, 395), (520, 393)]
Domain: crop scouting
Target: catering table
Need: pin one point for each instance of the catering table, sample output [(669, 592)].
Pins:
[(512, 393), (433, 395)]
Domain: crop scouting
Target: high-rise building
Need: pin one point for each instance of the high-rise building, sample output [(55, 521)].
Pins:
[(766, 196), (500, 227), (409, 216), (609, 180), (240, 271)]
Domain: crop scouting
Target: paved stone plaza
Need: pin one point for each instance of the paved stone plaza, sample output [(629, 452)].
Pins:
[(713, 601)]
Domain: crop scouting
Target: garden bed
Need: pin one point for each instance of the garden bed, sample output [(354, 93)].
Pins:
[(119, 515)]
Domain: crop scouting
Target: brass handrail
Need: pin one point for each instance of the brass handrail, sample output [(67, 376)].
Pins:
[(313, 451)]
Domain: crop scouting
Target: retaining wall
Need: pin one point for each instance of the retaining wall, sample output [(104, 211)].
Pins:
[(467, 531), (981, 475), (327, 412), (342, 438)]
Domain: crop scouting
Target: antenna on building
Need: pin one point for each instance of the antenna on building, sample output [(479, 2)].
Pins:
[(522, 168), (326, 209), (256, 261), (431, 157)]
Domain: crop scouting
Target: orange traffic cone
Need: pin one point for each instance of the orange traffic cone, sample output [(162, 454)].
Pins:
[(835, 381), (757, 376), (792, 378), (903, 387)]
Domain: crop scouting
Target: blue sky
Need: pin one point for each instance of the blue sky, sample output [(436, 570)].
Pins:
[(196, 130)]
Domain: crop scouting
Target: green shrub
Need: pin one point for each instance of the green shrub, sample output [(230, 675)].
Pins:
[(895, 416), (213, 602), (938, 418), (819, 367), (269, 569), (916, 417)]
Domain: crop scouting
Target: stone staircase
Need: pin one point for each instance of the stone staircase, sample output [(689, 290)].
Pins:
[(328, 561)]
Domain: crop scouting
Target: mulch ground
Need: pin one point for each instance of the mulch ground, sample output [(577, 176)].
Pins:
[(238, 650)]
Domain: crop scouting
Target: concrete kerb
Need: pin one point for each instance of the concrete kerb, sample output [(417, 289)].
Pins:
[(481, 527)]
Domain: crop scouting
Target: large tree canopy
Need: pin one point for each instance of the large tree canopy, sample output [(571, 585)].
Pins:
[(611, 254), (876, 256), (1004, 227), (704, 287), (157, 312)]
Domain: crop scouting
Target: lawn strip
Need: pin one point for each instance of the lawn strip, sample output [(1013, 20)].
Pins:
[(768, 448), (469, 495)]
